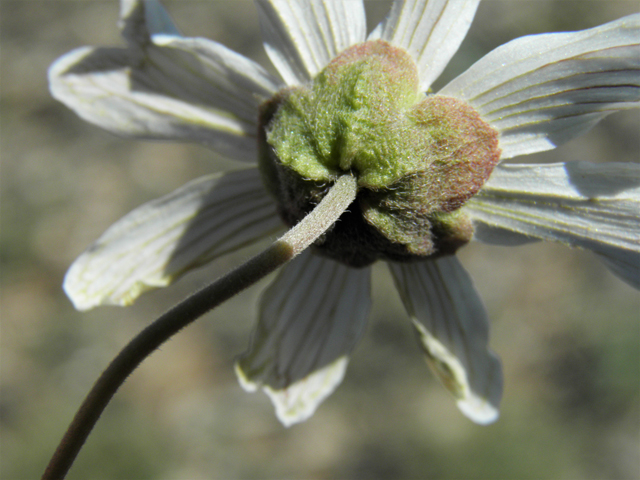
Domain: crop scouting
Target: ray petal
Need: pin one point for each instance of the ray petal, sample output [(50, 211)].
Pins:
[(541, 91), (311, 318), (166, 87), (430, 30), (453, 328), (580, 204), (163, 239), (302, 36)]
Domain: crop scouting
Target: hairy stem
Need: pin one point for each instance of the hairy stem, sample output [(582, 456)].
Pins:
[(280, 252)]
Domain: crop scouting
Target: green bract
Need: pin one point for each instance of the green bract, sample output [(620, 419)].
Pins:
[(416, 158)]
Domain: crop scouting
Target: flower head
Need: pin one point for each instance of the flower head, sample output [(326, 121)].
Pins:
[(426, 166)]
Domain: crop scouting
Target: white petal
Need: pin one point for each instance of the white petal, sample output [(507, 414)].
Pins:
[(580, 204), (302, 36), (299, 401), (311, 318), (163, 239), (430, 30), (624, 264), (141, 19), (498, 236), (176, 88), (203, 72), (542, 90), (453, 328)]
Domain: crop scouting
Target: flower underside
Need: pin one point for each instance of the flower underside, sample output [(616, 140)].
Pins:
[(417, 159)]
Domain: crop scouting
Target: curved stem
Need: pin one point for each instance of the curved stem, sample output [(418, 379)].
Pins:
[(280, 252)]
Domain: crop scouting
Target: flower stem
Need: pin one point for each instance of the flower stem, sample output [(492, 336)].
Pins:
[(280, 252)]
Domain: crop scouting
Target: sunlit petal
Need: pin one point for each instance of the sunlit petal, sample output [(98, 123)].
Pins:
[(430, 30), (580, 204), (167, 87), (302, 36), (453, 328), (299, 401), (542, 90), (311, 318), (161, 240)]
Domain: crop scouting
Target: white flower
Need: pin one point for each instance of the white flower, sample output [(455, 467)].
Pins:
[(537, 92)]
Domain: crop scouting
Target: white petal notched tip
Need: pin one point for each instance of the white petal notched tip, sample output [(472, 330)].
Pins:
[(299, 401)]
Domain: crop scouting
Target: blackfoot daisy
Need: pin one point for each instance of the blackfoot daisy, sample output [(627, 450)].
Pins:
[(427, 167)]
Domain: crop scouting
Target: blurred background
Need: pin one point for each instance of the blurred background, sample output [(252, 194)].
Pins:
[(567, 330)]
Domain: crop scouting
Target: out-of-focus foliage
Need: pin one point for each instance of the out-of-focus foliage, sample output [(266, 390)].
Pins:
[(568, 332)]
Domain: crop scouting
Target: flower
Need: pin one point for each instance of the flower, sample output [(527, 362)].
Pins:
[(529, 95)]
